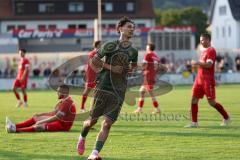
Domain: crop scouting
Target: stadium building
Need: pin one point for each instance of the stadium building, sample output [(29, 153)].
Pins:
[(65, 25)]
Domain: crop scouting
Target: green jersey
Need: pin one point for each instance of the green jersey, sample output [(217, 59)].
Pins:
[(116, 53)]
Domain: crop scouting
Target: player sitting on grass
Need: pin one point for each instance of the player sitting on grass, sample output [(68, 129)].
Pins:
[(61, 119)]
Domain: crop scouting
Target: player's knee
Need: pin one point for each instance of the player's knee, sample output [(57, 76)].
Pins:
[(106, 125), (40, 128), (89, 123), (194, 101), (211, 103)]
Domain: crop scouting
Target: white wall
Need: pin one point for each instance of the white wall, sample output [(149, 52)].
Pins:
[(224, 21)]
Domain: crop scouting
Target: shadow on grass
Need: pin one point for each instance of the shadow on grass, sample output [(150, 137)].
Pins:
[(188, 133), (11, 155)]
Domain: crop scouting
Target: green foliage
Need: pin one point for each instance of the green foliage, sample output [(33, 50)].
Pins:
[(190, 16), (167, 4)]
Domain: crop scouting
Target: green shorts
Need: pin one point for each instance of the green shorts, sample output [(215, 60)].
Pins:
[(107, 103)]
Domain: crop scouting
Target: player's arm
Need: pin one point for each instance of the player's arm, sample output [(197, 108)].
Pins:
[(97, 63), (161, 68), (207, 64), (48, 120), (26, 70)]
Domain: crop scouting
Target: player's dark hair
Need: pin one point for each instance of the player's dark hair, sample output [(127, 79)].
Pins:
[(23, 50), (96, 43), (122, 22), (151, 46), (65, 87), (206, 35)]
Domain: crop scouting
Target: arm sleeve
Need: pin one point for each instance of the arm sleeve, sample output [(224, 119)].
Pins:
[(145, 59), (100, 52), (26, 64), (211, 56), (64, 108), (135, 55)]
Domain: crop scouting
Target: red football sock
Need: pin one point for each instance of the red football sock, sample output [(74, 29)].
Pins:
[(194, 111), (155, 104), (221, 110), (17, 95), (25, 97), (84, 98), (140, 103), (27, 129), (26, 123)]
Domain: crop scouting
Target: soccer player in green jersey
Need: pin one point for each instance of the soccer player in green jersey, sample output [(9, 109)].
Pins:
[(120, 59)]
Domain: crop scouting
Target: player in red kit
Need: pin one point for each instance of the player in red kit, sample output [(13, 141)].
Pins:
[(22, 78), (151, 64), (204, 83), (61, 119), (90, 76)]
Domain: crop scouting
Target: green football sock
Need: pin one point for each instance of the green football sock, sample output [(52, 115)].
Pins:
[(84, 132), (99, 145)]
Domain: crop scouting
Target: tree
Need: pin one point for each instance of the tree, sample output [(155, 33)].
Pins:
[(190, 16)]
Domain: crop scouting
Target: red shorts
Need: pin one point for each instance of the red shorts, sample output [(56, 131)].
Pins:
[(90, 84), (148, 87), (56, 126), (18, 84), (199, 90)]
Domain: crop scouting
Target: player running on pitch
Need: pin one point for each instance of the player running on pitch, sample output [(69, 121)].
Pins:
[(120, 58), (90, 76)]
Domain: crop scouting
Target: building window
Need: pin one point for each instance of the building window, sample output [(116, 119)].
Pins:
[(174, 40), (111, 25), (223, 32), (103, 25), (107, 7), (10, 27), (222, 10), (20, 8), (167, 41), (82, 26), (229, 31), (41, 27), (75, 7), (21, 27), (130, 6), (72, 26), (52, 27), (141, 25), (46, 8)]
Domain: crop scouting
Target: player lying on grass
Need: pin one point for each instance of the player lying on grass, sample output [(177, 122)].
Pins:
[(61, 119)]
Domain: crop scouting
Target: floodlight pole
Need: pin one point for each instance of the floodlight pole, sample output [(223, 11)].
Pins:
[(99, 20)]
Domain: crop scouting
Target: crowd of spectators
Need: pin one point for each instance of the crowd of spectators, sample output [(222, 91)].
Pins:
[(224, 64)]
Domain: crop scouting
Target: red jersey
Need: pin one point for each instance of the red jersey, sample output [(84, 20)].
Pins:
[(21, 68), (207, 74), (150, 59), (90, 73), (67, 109)]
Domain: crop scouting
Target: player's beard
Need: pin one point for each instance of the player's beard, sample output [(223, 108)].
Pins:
[(61, 96)]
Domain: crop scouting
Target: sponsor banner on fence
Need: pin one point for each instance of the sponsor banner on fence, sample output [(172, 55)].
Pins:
[(174, 79)]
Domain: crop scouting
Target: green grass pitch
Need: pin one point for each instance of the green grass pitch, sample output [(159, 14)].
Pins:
[(131, 138)]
